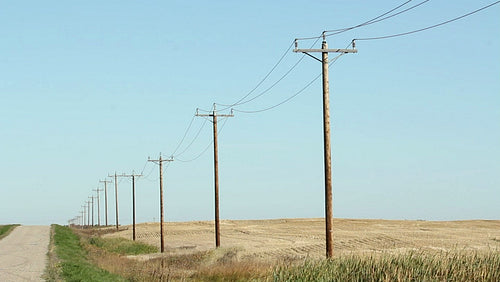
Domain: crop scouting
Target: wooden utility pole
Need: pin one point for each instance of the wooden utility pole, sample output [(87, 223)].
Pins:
[(92, 199), (98, 207), (105, 198), (133, 175), (88, 213), (116, 197), (82, 216), (84, 212), (214, 116), (326, 136), (160, 163)]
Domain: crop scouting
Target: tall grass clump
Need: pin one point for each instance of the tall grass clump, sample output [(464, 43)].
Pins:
[(122, 246), (411, 266), (6, 229), (74, 264)]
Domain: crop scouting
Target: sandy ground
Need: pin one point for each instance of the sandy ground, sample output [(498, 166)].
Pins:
[(300, 238), (23, 253)]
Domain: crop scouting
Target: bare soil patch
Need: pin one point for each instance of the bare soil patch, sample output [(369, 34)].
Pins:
[(304, 238)]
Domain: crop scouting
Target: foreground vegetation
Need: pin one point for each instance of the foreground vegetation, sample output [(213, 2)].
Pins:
[(85, 256), (74, 263), (404, 267), (122, 246), (6, 229)]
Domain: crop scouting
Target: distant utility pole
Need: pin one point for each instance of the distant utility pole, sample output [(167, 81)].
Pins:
[(106, 197), (98, 208), (326, 135), (92, 199), (88, 213), (84, 212), (133, 175), (214, 116), (160, 163), (116, 197), (82, 216)]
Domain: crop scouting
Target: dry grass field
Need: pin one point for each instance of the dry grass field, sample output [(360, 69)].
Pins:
[(304, 238)]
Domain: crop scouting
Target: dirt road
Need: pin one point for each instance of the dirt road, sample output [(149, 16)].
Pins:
[(23, 253)]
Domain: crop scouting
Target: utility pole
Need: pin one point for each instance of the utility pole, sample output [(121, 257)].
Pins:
[(98, 208), (82, 216), (326, 135), (92, 199), (105, 198), (88, 213), (133, 175), (116, 198), (160, 163), (214, 116), (84, 212)]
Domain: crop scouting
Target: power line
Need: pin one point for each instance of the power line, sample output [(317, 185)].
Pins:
[(340, 30), (206, 148), (293, 96), (429, 27), (377, 19), (260, 82), (241, 102), (274, 84), (194, 139), (183, 137)]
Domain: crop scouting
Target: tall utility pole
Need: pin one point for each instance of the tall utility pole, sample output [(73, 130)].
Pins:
[(98, 208), (82, 216), (105, 198), (88, 213), (116, 197), (160, 163), (133, 175), (214, 116), (326, 136), (92, 201), (84, 212)]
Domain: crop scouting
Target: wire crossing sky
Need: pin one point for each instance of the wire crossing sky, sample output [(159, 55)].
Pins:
[(90, 88)]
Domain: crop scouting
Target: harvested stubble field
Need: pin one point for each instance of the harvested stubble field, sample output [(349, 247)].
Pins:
[(280, 239)]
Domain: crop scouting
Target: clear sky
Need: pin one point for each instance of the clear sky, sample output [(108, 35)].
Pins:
[(88, 88)]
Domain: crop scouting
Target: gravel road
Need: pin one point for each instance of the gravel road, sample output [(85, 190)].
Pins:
[(23, 254)]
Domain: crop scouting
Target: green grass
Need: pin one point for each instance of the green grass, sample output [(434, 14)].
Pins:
[(404, 267), (122, 246), (73, 258), (6, 229)]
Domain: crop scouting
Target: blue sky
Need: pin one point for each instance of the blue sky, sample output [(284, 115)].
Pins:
[(88, 88)]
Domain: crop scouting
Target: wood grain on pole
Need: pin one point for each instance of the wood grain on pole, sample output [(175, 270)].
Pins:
[(216, 180), (327, 155), (133, 206), (116, 200), (162, 240)]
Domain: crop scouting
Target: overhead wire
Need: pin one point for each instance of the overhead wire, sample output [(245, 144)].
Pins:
[(241, 101), (429, 27), (184, 136), (207, 147), (376, 19), (261, 81), (294, 95), (192, 141)]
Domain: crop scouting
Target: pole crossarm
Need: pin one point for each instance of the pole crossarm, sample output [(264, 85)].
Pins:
[(345, 51)]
